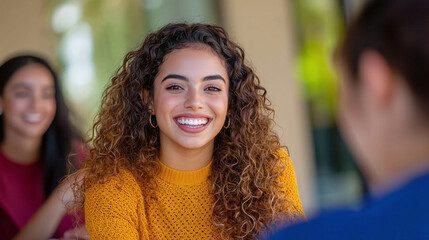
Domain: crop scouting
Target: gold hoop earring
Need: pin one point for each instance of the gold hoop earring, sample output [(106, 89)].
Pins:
[(229, 123), (150, 122)]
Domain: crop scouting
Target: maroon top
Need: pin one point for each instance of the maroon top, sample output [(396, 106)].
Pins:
[(21, 194)]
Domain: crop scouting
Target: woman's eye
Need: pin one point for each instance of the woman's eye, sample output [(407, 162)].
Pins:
[(213, 89), (22, 94), (174, 87), (48, 95)]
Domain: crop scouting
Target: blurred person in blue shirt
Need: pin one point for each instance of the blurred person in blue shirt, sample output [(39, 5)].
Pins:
[(383, 63)]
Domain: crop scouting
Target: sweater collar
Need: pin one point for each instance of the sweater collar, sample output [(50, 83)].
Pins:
[(184, 177)]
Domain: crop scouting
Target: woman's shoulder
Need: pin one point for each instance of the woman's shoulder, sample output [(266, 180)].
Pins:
[(284, 163), (288, 183), (119, 192), (282, 153), (114, 203), (285, 168), (123, 181)]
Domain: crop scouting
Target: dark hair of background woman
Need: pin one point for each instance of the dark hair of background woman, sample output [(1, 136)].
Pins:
[(58, 139), (397, 36)]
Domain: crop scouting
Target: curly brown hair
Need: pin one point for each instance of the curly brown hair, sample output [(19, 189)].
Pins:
[(246, 162)]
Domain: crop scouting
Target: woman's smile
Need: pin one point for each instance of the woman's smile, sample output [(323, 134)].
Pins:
[(32, 117), (192, 123)]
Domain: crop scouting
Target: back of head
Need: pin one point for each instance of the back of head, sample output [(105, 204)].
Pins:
[(399, 31)]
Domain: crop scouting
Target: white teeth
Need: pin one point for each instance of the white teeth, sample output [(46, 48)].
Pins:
[(192, 122), (33, 117)]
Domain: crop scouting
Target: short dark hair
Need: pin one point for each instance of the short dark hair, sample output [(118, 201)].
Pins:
[(399, 31)]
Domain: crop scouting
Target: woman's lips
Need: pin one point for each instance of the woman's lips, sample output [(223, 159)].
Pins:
[(192, 124), (32, 117), (192, 121)]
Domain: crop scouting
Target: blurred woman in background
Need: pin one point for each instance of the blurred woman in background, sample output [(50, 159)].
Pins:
[(36, 137), (384, 115)]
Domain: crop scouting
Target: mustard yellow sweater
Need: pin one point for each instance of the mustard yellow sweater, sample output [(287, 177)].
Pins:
[(180, 208)]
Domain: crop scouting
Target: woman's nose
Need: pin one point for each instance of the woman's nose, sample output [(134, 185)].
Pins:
[(36, 101), (193, 100)]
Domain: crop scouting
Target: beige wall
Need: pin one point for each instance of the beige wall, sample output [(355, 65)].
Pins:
[(264, 29), (24, 27)]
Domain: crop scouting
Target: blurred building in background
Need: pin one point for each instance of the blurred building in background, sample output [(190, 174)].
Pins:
[(288, 42)]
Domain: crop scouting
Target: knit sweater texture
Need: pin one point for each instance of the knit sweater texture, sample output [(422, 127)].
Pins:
[(180, 208)]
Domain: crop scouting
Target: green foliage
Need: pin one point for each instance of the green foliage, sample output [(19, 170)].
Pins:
[(318, 27)]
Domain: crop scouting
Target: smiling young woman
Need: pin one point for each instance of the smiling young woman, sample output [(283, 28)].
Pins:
[(184, 146)]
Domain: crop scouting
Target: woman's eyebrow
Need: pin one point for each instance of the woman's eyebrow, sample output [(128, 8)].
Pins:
[(21, 85), (48, 87), (206, 78), (176, 76), (214, 77)]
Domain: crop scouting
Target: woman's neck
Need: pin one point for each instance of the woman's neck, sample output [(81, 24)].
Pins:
[(21, 150), (186, 159)]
